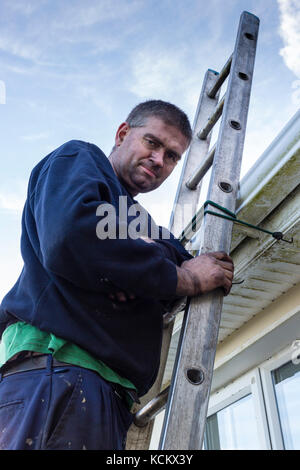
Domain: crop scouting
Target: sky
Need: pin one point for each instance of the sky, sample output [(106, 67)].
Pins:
[(73, 69)]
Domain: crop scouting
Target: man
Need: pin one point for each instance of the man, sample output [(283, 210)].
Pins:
[(82, 327)]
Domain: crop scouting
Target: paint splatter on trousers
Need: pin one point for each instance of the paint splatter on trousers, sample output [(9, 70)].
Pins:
[(61, 408)]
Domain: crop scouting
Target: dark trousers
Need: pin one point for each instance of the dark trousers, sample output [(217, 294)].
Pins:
[(61, 408)]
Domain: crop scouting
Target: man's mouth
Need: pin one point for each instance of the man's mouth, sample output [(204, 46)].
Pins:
[(148, 171)]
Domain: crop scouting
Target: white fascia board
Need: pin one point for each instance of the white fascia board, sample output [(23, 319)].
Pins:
[(279, 152)]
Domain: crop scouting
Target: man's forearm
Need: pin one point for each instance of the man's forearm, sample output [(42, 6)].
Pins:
[(185, 283)]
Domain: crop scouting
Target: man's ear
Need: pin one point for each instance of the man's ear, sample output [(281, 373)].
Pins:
[(122, 131)]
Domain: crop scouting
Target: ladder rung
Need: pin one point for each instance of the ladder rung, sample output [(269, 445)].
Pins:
[(212, 120), (200, 172), (151, 409), (192, 227), (221, 79), (178, 307)]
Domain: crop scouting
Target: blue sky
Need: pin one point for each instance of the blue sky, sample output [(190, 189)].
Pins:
[(73, 69)]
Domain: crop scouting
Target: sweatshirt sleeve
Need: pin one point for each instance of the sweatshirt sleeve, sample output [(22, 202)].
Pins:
[(172, 247), (64, 203)]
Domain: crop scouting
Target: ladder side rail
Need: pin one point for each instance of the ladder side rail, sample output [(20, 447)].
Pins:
[(186, 410), (138, 438)]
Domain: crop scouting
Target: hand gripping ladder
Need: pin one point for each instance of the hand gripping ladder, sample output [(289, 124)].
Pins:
[(188, 395)]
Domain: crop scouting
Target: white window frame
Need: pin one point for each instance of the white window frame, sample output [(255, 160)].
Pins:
[(259, 383), (249, 383), (266, 369)]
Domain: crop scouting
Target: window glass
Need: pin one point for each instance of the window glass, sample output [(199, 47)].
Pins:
[(286, 381), (233, 427)]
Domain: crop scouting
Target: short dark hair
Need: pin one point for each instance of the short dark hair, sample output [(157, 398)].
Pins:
[(167, 112)]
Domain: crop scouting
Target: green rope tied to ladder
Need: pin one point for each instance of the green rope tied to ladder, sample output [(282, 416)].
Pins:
[(231, 216)]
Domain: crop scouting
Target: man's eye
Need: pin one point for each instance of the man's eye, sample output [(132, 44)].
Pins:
[(150, 142), (173, 157)]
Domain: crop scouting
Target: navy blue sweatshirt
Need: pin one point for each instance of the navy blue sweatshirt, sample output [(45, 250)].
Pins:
[(68, 271)]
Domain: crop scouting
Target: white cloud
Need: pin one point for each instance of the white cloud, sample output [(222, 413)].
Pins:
[(13, 196), (168, 75), (11, 269), (296, 92), (2, 92), (25, 8), (18, 47), (34, 137), (91, 12), (20, 70), (46, 32), (12, 202), (155, 74), (290, 32)]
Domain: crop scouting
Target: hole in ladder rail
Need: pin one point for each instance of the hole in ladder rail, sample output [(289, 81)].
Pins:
[(249, 36), (235, 125), (243, 76), (226, 187), (195, 376)]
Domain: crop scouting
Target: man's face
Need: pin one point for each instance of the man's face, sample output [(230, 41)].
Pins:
[(147, 155)]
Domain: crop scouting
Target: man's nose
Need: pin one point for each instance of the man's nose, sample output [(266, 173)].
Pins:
[(157, 157)]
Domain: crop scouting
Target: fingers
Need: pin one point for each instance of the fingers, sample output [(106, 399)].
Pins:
[(228, 280), (226, 265), (119, 296), (122, 296), (227, 286), (221, 256), (226, 283), (226, 262)]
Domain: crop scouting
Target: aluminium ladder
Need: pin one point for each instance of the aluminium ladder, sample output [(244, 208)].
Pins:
[(188, 395)]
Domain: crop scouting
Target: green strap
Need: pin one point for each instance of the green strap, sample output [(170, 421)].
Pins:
[(231, 216)]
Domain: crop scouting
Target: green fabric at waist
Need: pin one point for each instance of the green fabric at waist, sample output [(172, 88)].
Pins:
[(22, 336)]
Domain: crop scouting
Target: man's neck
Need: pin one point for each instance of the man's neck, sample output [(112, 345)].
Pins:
[(131, 192)]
